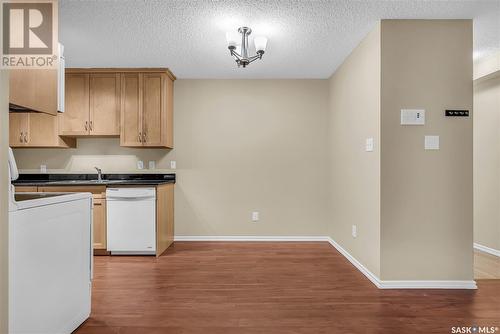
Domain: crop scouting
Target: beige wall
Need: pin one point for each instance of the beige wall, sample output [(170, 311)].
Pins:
[(240, 146), (249, 145), (354, 112), (4, 207), (426, 203), (295, 151), (487, 163), (412, 207)]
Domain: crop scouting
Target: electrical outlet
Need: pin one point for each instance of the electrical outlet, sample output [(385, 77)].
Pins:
[(173, 164), (354, 231), (140, 164), (43, 168), (152, 164), (255, 216)]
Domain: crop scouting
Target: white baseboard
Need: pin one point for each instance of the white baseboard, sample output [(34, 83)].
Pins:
[(248, 238), (428, 285), (401, 284), (488, 250), (371, 276)]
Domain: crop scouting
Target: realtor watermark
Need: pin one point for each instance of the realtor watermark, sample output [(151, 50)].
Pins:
[(29, 34), (475, 329)]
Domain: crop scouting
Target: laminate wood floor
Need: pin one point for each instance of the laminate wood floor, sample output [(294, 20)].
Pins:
[(486, 266), (201, 287)]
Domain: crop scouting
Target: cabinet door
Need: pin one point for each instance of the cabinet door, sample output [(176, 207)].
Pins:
[(105, 104), (76, 117), (42, 130), (34, 89), (131, 110), (18, 129), (99, 226), (153, 96)]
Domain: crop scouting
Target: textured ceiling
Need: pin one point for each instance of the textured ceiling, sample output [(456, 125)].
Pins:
[(307, 39)]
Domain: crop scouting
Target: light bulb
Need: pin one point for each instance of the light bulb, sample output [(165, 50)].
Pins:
[(260, 43), (232, 39)]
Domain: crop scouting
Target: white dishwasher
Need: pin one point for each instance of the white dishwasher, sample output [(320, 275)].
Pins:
[(131, 220)]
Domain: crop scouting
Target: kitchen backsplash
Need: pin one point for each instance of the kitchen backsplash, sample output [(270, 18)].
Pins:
[(105, 153)]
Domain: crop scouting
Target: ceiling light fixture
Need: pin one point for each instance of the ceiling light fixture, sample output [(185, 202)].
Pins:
[(242, 58)]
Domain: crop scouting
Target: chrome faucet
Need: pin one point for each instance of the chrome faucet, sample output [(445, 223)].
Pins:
[(99, 174)]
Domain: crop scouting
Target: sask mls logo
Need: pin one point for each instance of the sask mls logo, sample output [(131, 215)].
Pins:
[(29, 34)]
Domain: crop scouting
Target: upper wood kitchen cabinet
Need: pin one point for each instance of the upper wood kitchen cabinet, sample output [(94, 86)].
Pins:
[(34, 90), (92, 104), (36, 129), (147, 108)]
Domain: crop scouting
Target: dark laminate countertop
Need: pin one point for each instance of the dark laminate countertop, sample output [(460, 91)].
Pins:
[(91, 179)]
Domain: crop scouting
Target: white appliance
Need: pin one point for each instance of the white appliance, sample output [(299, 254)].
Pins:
[(131, 220), (60, 79), (50, 260)]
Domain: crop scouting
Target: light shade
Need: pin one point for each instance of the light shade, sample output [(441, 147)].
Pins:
[(232, 39), (260, 43)]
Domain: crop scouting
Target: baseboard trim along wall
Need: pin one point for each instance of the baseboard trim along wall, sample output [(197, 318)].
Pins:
[(491, 251), (249, 238), (371, 276), (401, 284), (365, 271)]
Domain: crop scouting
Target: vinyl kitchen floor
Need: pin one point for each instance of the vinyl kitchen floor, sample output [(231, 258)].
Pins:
[(202, 287)]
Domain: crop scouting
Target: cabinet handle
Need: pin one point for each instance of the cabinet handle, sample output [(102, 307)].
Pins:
[(140, 137), (91, 127), (21, 137), (25, 137), (144, 137), (86, 125)]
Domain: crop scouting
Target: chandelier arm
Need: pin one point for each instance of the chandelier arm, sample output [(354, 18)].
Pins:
[(254, 58), (236, 55)]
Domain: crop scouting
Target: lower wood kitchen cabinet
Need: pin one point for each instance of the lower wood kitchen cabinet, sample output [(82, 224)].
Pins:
[(32, 129), (164, 217), (26, 189), (99, 223), (164, 213)]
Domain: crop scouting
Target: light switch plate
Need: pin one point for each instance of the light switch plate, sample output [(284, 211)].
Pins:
[(173, 164), (431, 142), (152, 164), (412, 116), (354, 231), (369, 145), (140, 164), (255, 216)]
